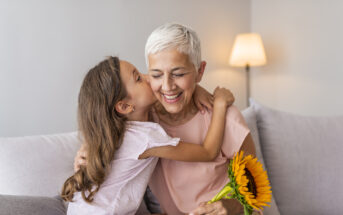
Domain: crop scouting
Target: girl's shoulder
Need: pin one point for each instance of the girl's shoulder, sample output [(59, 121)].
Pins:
[(145, 135), (144, 130), (137, 138), (141, 125)]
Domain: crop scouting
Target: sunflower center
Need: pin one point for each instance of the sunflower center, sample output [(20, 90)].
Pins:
[(251, 184)]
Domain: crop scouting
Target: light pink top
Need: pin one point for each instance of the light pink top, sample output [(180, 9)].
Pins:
[(124, 187), (181, 186)]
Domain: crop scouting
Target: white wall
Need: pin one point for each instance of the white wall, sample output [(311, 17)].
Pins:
[(47, 46), (303, 42)]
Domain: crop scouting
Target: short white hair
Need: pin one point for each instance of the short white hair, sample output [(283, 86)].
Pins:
[(173, 35)]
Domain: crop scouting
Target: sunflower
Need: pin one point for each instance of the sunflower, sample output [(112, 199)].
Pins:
[(248, 184)]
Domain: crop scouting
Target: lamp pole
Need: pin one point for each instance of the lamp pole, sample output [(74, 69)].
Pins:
[(248, 51), (247, 70)]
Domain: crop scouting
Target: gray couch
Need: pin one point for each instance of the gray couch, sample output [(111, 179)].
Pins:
[(302, 156)]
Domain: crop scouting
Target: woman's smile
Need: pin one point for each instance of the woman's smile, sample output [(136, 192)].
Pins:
[(171, 97)]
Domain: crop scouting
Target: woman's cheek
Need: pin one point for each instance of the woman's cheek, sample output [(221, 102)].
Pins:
[(154, 84), (186, 83)]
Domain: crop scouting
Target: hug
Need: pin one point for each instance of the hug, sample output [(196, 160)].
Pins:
[(140, 130), (108, 108)]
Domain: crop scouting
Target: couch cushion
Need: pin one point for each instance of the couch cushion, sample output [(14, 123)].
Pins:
[(304, 159), (28, 205), (250, 118), (36, 165)]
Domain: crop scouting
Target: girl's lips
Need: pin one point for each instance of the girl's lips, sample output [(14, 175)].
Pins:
[(172, 98)]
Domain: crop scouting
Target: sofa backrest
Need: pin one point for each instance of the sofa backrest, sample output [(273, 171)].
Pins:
[(36, 165), (303, 156), (249, 115)]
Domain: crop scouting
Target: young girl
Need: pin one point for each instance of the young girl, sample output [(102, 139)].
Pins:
[(113, 112)]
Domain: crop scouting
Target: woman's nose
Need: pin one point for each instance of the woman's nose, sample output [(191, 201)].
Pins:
[(167, 84)]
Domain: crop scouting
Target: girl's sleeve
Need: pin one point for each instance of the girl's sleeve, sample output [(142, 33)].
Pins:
[(147, 138), (236, 131), (158, 137)]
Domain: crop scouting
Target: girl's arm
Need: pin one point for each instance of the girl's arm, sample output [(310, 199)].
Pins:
[(204, 100), (209, 150)]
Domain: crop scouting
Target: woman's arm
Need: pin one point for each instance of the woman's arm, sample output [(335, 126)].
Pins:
[(209, 150), (227, 206), (248, 146)]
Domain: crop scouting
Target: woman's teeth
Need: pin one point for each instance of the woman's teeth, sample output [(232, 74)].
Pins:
[(171, 96)]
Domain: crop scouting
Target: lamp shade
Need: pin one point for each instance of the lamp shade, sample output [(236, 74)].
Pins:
[(248, 50)]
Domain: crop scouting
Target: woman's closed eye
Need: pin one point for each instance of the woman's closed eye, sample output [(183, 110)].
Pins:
[(175, 75), (178, 75), (156, 76)]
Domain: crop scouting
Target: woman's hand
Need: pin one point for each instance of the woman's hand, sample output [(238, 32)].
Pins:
[(221, 207), (202, 99), (80, 159), (223, 97)]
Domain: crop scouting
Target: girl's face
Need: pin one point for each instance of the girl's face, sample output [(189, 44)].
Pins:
[(138, 90), (173, 78)]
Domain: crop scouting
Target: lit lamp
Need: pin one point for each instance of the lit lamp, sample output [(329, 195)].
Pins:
[(248, 51)]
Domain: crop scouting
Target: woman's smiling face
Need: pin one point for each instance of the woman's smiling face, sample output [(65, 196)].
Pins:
[(173, 78)]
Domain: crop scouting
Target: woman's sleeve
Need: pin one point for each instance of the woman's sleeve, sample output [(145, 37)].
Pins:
[(236, 131)]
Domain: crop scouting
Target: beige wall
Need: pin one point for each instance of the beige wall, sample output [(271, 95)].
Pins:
[(303, 41), (47, 46)]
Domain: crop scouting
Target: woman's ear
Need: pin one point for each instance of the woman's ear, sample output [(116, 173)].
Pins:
[(201, 71), (124, 108)]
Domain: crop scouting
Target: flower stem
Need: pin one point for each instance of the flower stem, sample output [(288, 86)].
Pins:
[(247, 211), (222, 194)]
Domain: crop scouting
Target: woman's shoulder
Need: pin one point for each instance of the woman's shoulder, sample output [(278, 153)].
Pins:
[(235, 114)]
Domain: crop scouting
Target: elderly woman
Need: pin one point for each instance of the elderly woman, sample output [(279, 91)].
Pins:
[(173, 58)]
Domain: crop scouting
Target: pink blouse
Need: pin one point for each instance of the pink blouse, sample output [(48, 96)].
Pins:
[(181, 186)]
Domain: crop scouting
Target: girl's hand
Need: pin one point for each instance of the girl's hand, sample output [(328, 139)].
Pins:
[(223, 97), (202, 99), (80, 159)]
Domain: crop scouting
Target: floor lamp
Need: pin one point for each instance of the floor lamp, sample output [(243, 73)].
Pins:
[(248, 51)]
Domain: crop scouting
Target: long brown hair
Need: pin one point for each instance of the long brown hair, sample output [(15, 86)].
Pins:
[(101, 127)]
